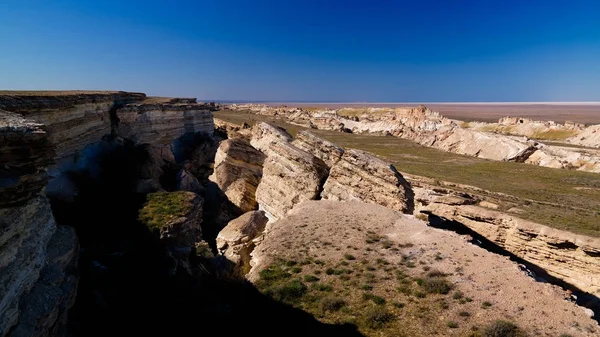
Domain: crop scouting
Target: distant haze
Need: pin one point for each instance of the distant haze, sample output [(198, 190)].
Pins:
[(581, 112)]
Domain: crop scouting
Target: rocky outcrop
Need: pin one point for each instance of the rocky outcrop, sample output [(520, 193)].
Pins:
[(290, 176), (26, 152), (235, 241), (327, 151), (57, 130), (161, 123), (590, 137), (480, 144), (238, 171), (265, 134), (567, 256), (72, 120), (37, 288), (360, 176)]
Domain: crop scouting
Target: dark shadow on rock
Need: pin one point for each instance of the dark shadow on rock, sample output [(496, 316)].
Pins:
[(583, 298), (127, 286)]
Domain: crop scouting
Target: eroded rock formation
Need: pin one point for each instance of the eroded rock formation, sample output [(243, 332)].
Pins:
[(55, 130), (290, 176), (567, 256), (327, 151), (360, 176), (235, 241), (265, 134), (238, 171)]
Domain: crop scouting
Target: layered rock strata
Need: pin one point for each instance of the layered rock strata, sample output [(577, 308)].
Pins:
[(49, 129), (238, 172), (290, 177), (567, 256), (327, 151), (360, 176), (235, 241), (265, 134)]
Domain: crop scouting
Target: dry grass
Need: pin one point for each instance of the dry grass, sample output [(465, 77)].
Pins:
[(554, 134)]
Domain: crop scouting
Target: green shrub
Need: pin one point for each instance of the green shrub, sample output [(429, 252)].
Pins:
[(486, 304), (366, 287), (290, 291), (349, 257), (162, 207), (464, 314), (502, 329), (377, 317), (332, 304), (310, 278), (376, 299), (437, 285), (452, 325), (322, 287)]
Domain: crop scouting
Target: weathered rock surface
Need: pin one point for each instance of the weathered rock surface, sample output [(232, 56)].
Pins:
[(290, 177), (161, 123), (360, 176), (480, 144), (37, 288), (567, 256), (235, 240), (187, 182), (238, 171), (327, 151), (315, 228), (265, 134), (590, 136), (26, 152)]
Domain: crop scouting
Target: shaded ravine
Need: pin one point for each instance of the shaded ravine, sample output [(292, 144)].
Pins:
[(580, 297), (125, 288)]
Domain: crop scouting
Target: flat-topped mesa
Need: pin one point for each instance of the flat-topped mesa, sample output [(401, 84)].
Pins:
[(163, 122), (290, 177), (360, 176), (238, 171), (265, 134), (327, 151)]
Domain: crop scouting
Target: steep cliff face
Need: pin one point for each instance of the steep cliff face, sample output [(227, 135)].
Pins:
[(73, 120), (161, 123), (567, 256), (54, 130), (36, 259)]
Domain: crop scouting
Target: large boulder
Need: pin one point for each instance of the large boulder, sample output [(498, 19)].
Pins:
[(290, 176), (360, 176), (235, 240), (265, 134), (237, 172), (327, 151)]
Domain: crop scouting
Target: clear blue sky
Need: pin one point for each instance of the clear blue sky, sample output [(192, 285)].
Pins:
[(309, 50)]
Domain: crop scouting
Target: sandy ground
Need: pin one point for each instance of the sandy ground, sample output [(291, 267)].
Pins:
[(327, 230), (588, 113)]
